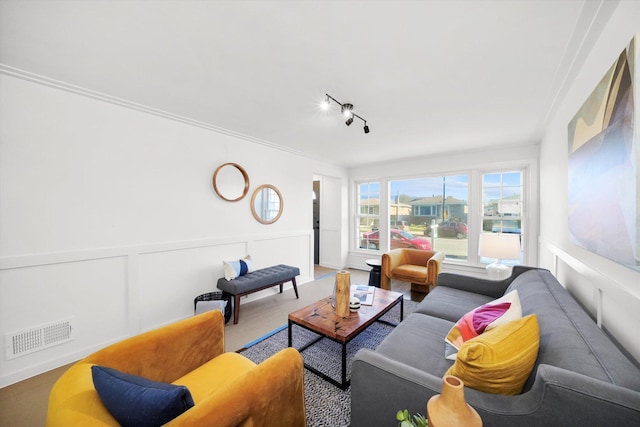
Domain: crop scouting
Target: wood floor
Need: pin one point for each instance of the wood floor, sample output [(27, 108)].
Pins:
[(25, 403)]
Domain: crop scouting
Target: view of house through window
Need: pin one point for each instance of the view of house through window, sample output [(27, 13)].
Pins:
[(502, 206), (368, 214), (430, 213)]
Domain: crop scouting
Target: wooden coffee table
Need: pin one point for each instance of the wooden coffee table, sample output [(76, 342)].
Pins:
[(321, 318)]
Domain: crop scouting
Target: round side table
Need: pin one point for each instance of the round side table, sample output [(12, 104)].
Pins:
[(374, 274)]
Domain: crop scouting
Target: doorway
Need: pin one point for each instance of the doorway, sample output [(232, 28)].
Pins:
[(316, 222)]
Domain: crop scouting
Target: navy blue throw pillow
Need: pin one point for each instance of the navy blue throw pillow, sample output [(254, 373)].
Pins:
[(244, 268), (137, 401)]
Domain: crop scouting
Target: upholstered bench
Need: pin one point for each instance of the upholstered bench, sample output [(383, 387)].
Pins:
[(257, 281)]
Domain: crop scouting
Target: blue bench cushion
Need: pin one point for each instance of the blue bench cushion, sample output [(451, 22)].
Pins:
[(258, 279)]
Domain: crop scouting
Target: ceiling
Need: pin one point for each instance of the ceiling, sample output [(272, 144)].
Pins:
[(429, 77)]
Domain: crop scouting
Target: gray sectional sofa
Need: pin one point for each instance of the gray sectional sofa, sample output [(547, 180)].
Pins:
[(580, 378)]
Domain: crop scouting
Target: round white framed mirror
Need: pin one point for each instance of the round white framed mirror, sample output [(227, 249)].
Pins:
[(266, 204)]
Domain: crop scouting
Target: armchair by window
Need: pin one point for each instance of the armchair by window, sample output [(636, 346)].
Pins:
[(418, 267)]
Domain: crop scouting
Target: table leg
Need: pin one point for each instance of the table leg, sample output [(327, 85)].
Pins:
[(289, 333), (344, 366)]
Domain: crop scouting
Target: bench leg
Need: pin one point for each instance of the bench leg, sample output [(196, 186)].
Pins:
[(236, 298), (236, 309)]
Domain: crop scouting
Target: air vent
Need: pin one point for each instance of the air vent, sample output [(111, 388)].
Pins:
[(38, 338)]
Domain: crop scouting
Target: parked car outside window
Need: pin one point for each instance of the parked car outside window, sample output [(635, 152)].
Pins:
[(453, 229), (400, 225), (398, 239)]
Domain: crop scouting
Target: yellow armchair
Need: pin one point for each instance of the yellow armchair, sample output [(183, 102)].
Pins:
[(227, 388), (419, 267)]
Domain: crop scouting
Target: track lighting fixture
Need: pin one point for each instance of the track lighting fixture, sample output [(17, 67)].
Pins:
[(346, 109)]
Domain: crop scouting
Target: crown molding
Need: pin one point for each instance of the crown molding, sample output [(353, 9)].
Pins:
[(99, 96)]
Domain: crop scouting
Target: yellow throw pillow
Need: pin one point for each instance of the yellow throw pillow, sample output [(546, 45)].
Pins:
[(500, 360), (480, 320)]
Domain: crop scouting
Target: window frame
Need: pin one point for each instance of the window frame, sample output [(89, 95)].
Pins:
[(370, 218), (522, 217), (528, 168)]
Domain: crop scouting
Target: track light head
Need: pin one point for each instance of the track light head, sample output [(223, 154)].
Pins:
[(324, 104), (349, 121), (347, 110)]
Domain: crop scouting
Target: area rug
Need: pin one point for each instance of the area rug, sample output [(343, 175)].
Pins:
[(326, 405)]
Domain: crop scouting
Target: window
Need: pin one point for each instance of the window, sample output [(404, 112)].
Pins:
[(368, 200), (425, 210), (502, 206), (449, 212), (430, 213)]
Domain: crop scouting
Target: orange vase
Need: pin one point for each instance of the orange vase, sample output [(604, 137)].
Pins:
[(342, 293), (449, 409)]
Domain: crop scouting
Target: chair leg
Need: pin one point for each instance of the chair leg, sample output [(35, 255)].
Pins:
[(420, 287), (295, 287)]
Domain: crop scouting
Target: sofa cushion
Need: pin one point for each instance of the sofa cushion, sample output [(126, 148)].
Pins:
[(410, 272), (500, 360), (215, 375), (450, 303), (417, 342), (136, 401), (481, 319)]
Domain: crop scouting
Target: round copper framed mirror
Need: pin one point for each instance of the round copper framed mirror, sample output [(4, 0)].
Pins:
[(266, 204), (231, 182)]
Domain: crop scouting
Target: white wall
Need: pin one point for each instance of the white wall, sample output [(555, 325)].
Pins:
[(108, 216), (609, 290)]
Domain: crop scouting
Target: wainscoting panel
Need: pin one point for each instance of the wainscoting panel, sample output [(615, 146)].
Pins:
[(290, 250), (170, 280), (92, 292), (114, 293)]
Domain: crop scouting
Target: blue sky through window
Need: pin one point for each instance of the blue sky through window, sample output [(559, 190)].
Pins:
[(455, 186)]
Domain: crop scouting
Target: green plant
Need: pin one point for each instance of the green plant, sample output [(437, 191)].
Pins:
[(405, 419)]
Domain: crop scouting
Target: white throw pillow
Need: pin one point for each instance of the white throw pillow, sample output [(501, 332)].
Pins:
[(236, 268)]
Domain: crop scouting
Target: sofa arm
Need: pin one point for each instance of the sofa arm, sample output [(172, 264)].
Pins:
[(560, 397), (586, 401), (272, 394), (169, 352), (381, 386)]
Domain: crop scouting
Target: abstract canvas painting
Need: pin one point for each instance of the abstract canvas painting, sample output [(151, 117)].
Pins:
[(604, 185)]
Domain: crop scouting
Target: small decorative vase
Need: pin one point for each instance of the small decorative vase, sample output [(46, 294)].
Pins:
[(342, 292), (449, 409)]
